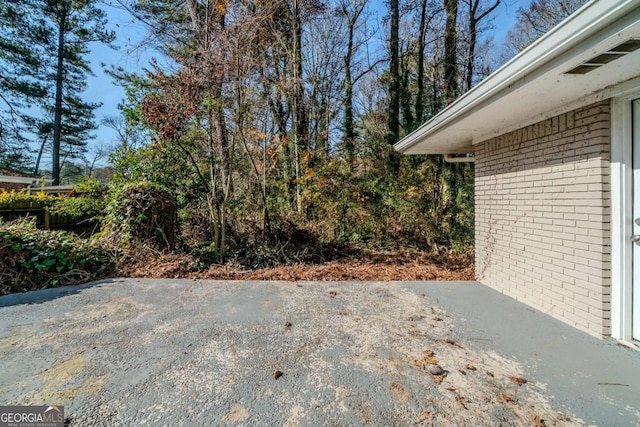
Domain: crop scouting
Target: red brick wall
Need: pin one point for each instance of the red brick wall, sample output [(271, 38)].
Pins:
[(8, 186)]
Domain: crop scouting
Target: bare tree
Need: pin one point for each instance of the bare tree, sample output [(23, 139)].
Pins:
[(534, 21), (95, 154), (476, 15)]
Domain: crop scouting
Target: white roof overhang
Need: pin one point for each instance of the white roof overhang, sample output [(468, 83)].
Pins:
[(536, 84)]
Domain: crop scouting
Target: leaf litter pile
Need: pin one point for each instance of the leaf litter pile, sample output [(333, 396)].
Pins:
[(382, 265)]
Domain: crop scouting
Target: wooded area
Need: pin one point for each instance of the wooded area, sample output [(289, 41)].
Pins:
[(267, 124)]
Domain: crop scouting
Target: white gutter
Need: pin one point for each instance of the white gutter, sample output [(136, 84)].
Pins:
[(535, 59)]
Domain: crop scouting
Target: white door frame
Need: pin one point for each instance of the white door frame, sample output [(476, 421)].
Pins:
[(622, 217)]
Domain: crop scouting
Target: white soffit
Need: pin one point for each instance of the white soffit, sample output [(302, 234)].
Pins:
[(19, 179), (535, 85)]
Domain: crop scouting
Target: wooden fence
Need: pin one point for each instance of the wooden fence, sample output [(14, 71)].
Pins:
[(46, 220)]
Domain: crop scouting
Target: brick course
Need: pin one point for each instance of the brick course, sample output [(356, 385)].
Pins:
[(542, 196), (8, 186)]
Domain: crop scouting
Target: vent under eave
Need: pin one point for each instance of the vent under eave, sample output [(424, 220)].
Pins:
[(604, 58)]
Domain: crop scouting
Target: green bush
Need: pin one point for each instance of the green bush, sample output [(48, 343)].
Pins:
[(34, 259), (8, 198), (87, 200), (141, 212)]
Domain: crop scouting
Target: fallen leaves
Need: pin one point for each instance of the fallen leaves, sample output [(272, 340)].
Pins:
[(288, 325), (427, 360), (424, 416), (452, 342), (277, 374), (518, 380), (367, 265), (461, 401), (506, 398), (538, 422), (470, 367)]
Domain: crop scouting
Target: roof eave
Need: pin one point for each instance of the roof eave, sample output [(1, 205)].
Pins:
[(588, 20)]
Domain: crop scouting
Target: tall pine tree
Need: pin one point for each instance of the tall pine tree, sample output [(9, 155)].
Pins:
[(43, 61), (21, 66), (74, 24)]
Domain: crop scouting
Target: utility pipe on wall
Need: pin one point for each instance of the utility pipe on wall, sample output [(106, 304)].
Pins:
[(466, 159)]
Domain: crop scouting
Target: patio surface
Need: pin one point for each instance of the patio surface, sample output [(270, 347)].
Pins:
[(185, 352)]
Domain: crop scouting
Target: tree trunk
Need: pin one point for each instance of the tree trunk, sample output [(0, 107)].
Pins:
[(472, 50), (57, 118), (450, 51), (299, 111), (394, 71), (349, 131), (40, 152), (474, 19), (393, 135), (420, 76), (405, 94)]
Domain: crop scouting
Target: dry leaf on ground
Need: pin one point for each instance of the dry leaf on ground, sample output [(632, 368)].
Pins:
[(506, 398), (460, 400), (518, 380), (538, 422), (424, 416), (452, 342), (370, 265)]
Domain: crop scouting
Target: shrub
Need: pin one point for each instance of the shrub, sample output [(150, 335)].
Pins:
[(86, 200), (34, 259), (142, 212), (25, 196)]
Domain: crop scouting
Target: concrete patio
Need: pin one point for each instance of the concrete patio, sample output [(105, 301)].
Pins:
[(185, 352)]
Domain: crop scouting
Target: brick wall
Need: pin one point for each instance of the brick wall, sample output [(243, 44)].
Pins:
[(542, 197), (8, 186)]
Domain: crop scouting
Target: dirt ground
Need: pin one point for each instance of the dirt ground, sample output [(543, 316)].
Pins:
[(370, 265)]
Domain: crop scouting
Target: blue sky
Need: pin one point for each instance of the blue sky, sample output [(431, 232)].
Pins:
[(129, 34)]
